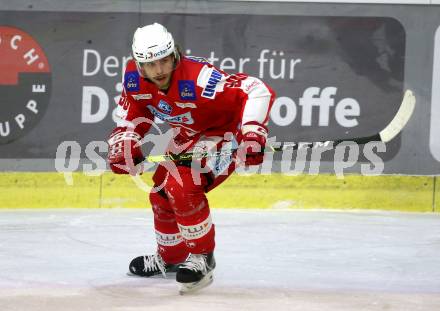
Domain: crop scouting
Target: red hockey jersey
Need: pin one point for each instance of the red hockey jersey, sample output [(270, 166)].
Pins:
[(201, 99)]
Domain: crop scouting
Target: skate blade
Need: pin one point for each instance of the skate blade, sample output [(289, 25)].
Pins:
[(157, 276), (187, 288)]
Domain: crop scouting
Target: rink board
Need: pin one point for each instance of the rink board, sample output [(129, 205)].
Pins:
[(274, 191)]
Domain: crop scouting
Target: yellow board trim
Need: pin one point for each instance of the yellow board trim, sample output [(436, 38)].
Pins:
[(275, 191)]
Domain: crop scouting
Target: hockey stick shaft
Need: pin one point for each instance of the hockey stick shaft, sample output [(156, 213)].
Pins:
[(388, 133), (275, 148)]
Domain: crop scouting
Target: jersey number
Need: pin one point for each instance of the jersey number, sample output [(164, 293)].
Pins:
[(235, 80)]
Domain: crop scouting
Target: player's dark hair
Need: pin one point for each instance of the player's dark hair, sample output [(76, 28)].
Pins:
[(177, 54)]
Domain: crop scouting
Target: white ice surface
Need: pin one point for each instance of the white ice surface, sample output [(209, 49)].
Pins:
[(266, 260)]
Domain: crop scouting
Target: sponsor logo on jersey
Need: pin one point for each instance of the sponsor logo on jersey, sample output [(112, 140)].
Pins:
[(167, 239), (187, 89), (25, 83), (165, 107), (131, 80), (251, 86), (196, 231), (142, 96), (209, 90), (185, 118), (185, 105), (221, 164)]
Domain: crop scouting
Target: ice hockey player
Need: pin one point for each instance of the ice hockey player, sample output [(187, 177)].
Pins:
[(209, 110)]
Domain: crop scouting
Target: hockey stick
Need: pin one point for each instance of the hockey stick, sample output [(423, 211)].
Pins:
[(387, 134)]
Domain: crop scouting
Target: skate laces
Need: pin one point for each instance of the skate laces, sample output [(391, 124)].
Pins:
[(196, 263), (154, 262)]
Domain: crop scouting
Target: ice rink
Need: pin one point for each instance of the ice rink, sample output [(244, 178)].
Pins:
[(266, 260)]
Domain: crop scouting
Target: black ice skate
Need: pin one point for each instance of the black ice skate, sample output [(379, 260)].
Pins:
[(150, 265), (196, 272)]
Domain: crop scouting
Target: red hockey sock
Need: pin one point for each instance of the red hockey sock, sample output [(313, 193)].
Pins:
[(188, 200), (170, 244)]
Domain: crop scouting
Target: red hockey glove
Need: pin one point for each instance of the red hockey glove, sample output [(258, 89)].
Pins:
[(124, 153), (253, 141)]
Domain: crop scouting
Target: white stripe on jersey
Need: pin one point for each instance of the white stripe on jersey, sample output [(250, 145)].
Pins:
[(257, 105)]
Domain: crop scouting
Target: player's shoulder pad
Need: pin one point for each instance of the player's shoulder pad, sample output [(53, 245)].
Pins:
[(131, 77)]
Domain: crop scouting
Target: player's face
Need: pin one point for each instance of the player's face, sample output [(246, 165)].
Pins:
[(160, 71)]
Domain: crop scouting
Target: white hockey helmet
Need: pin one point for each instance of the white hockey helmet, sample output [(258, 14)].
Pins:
[(152, 42)]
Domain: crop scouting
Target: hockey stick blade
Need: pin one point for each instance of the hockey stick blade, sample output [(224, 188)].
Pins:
[(387, 134), (400, 119)]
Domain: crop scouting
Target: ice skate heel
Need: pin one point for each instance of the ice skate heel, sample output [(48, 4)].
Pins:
[(195, 273), (186, 288)]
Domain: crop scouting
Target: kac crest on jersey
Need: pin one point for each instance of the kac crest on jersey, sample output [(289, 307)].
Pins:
[(165, 107)]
